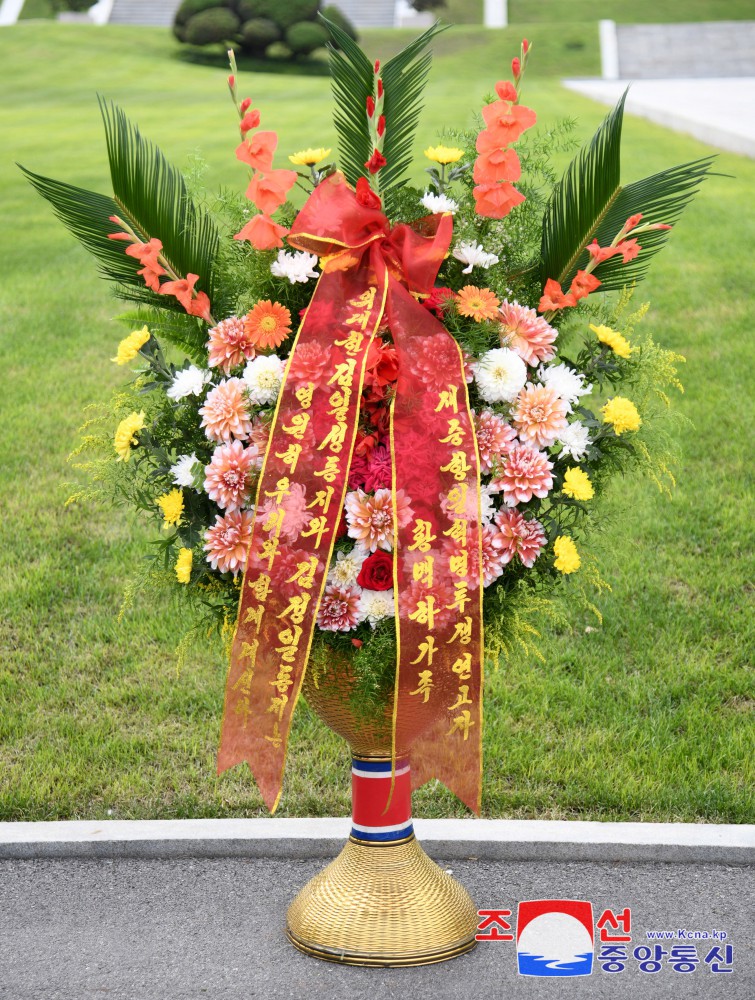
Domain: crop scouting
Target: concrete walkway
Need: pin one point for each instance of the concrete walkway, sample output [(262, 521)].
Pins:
[(720, 112), (212, 929)]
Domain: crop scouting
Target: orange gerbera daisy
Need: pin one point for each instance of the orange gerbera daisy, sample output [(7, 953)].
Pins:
[(479, 303), (267, 324)]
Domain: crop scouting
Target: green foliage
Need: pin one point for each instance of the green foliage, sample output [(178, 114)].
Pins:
[(304, 37), (258, 33), (285, 14), (216, 25), (335, 16), (189, 8), (590, 203)]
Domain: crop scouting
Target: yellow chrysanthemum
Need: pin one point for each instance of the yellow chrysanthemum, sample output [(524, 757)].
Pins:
[(309, 157), (444, 154), (577, 484), (567, 557), (172, 506), (125, 435), (130, 346), (613, 339), (183, 565), (621, 414)]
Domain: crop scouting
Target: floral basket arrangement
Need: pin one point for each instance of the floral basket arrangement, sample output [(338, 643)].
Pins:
[(371, 425)]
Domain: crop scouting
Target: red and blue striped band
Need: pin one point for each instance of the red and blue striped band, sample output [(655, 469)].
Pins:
[(370, 788)]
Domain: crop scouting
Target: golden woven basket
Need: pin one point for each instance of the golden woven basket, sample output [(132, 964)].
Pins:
[(381, 904)]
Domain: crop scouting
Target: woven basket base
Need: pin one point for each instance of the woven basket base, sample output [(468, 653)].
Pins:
[(385, 905)]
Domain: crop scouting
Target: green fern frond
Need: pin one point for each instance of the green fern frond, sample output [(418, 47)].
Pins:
[(184, 332), (351, 81), (590, 203)]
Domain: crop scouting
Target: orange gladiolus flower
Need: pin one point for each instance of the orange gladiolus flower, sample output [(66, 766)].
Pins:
[(497, 165), (258, 151), (495, 201), (599, 254), (506, 120), (628, 249), (554, 298), (200, 306), (506, 91), (582, 284), (267, 324), (479, 303), (250, 120), (268, 191), (262, 233), (183, 289)]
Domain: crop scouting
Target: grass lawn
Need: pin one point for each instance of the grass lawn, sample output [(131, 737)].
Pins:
[(645, 717)]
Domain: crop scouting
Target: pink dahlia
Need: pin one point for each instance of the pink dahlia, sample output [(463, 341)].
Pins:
[(539, 415), (229, 345), (495, 438), (225, 412), (370, 518), (442, 593), (310, 363), (294, 505), (436, 356), (339, 609), (516, 536), (259, 436), (227, 541), (228, 476), (527, 473), (492, 561), (525, 332)]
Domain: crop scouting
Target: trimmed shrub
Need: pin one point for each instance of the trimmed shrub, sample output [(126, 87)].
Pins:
[(258, 33), (286, 12), (189, 8), (216, 25), (340, 20), (305, 37)]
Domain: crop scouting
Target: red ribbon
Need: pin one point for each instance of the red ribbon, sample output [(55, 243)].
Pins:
[(371, 273)]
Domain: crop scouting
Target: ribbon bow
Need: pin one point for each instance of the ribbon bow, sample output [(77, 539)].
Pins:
[(371, 274)]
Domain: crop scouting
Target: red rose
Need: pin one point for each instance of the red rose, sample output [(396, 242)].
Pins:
[(377, 571)]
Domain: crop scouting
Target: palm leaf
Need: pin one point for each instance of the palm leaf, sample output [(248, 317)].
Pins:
[(151, 196), (184, 332), (351, 81), (404, 79), (590, 203)]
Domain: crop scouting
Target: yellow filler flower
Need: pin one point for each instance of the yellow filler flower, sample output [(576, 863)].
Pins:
[(183, 565), (309, 157), (567, 557), (130, 346), (444, 154), (125, 435), (577, 484), (613, 339), (172, 506), (621, 414)]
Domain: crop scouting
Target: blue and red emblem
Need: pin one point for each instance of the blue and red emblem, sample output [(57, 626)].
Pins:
[(371, 780)]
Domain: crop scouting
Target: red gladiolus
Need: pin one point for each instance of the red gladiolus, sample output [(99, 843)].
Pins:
[(258, 151), (516, 68), (380, 88), (249, 121), (495, 201), (146, 253), (553, 298), (438, 300), (377, 66), (632, 221), (628, 249), (376, 162), (599, 254), (231, 81), (659, 225), (200, 306), (365, 195), (381, 366), (506, 91), (381, 125), (582, 284), (183, 289), (120, 236), (525, 46), (497, 165), (262, 233), (370, 106), (245, 105), (268, 191)]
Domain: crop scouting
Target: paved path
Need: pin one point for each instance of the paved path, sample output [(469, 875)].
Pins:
[(177, 929), (720, 112)]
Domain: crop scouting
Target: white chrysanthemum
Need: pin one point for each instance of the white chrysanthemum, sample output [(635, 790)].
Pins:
[(263, 376), (182, 470), (574, 441), (376, 605), (439, 203), (473, 255), (345, 570), (188, 382), (298, 266), (500, 375), (565, 382), (487, 507)]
